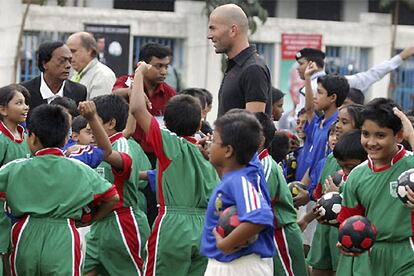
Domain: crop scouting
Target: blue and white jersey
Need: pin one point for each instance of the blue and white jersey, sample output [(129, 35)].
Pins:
[(89, 155), (247, 190)]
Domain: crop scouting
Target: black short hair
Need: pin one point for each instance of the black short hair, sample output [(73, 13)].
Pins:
[(79, 123), (379, 110), (150, 50), (356, 96), (45, 51), (112, 107), (267, 126), (335, 84), (50, 124), (355, 111), (301, 112), (241, 130), (208, 95), (312, 54), (349, 147), (276, 95), (196, 93), (331, 128), (67, 103), (279, 147), (183, 115), (7, 93)]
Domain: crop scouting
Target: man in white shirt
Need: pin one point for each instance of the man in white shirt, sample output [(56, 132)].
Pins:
[(96, 76), (361, 81)]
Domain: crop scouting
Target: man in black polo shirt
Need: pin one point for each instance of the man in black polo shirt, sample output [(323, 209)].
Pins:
[(246, 83)]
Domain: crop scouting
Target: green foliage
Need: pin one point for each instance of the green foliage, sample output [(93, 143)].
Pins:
[(252, 8), (388, 3)]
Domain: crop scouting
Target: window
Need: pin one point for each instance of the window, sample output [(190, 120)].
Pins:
[(266, 51), (346, 60)]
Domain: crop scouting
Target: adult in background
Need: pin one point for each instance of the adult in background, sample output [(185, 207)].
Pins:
[(96, 76), (53, 60), (158, 93), (247, 82)]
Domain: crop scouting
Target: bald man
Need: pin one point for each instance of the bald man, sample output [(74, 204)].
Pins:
[(247, 81), (96, 76)]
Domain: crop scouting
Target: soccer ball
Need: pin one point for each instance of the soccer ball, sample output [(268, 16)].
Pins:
[(357, 234), (329, 206), (406, 178), (337, 177), (293, 187), (228, 221)]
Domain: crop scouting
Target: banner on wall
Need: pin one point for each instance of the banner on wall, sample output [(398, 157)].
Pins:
[(114, 47), (289, 81)]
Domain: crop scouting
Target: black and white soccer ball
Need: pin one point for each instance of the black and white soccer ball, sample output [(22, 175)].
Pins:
[(329, 206), (405, 179)]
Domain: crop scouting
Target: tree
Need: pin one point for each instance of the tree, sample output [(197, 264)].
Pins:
[(394, 6), (252, 8)]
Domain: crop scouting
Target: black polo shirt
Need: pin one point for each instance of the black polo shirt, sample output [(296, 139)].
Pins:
[(247, 79)]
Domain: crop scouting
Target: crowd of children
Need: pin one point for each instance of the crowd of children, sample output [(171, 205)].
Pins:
[(72, 183)]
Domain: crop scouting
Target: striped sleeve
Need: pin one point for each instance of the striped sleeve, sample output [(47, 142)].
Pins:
[(251, 206)]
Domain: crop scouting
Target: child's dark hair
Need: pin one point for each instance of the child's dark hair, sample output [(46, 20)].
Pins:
[(196, 93), (335, 84), (356, 96), (379, 110), (50, 124), (279, 147), (331, 129), (79, 123), (150, 50), (7, 93), (183, 115), (208, 95), (354, 110), (349, 147), (276, 94), (267, 126), (67, 103), (241, 130), (301, 112), (111, 107)]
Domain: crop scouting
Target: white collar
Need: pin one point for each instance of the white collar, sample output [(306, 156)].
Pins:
[(47, 94)]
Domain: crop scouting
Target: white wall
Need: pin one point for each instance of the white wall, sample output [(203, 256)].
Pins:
[(10, 21)]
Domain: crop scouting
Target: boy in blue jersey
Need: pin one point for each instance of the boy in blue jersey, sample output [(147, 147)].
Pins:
[(236, 139), (331, 93)]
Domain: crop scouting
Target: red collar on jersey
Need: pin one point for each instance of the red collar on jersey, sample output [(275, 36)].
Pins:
[(53, 151), (7, 132), (190, 139), (397, 157), (263, 154), (115, 137)]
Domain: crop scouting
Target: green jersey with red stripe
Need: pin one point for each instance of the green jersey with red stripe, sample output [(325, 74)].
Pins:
[(331, 166), (127, 181), (282, 201), (51, 185), (184, 177), (371, 192), (12, 148)]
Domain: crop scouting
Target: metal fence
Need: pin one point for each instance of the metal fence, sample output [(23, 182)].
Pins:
[(404, 85), (346, 60)]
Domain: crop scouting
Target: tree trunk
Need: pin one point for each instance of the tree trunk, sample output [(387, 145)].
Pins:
[(395, 17), (19, 41)]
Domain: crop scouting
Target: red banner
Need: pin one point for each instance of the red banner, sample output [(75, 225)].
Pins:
[(291, 43)]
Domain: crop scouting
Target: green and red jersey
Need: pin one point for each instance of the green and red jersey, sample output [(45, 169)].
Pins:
[(280, 195), (12, 148), (51, 185), (331, 166), (126, 180), (184, 177), (371, 192)]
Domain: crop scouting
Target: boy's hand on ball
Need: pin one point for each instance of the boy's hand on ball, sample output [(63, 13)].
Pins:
[(302, 198), (330, 185), (346, 253), (410, 196)]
